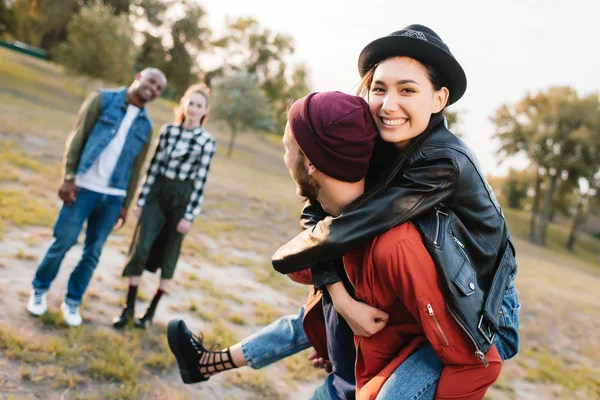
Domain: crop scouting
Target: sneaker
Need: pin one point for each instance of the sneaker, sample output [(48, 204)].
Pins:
[(71, 314), (37, 304)]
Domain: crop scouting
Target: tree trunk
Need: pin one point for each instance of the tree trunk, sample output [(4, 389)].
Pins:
[(232, 139), (577, 222), (545, 217), (535, 207)]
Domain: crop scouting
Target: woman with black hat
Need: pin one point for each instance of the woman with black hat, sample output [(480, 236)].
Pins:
[(432, 179), (424, 174)]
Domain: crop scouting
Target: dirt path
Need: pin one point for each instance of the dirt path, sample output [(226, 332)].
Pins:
[(20, 252)]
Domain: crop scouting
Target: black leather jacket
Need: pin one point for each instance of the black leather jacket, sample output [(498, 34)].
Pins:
[(440, 189)]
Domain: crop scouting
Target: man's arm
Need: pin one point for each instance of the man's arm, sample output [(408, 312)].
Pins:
[(419, 188), (412, 274), (327, 273), (135, 174), (86, 118)]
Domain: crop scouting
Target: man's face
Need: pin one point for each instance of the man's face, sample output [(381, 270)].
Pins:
[(149, 86), (296, 163)]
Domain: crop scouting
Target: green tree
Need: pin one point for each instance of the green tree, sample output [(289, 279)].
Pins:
[(190, 37), (249, 47), (8, 19), (109, 56), (42, 23), (151, 54), (550, 129), (239, 101), (515, 188)]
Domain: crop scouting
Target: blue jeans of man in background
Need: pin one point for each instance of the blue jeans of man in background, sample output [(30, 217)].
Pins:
[(415, 378), (101, 212)]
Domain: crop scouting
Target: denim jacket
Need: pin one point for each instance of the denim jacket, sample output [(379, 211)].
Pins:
[(112, 111)]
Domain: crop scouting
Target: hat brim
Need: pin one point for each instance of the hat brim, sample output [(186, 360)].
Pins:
[(428, 53)]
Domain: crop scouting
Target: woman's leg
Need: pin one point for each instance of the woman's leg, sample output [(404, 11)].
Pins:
[(150, 225), (146, 320), (272, 343), (507, 340), (416, 378)]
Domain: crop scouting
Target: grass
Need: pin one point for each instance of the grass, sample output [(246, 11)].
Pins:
[(220, 335), (238, 319), (264, 314), (587, 248), (19, 208), (21, 255), (575, 379), (70, 357), (254, 381), (299, 368)]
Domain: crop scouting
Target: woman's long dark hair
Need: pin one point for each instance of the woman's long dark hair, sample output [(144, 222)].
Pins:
[(381, 171)]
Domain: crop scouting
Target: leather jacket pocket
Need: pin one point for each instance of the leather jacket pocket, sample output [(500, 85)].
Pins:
[(439, 222), (466, 278)]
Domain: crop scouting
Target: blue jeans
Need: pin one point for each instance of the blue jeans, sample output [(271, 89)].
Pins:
[(416, 378), (507, 340), (101, 212), (279, 340)]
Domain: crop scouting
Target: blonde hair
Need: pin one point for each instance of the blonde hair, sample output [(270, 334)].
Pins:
[(195, 88)]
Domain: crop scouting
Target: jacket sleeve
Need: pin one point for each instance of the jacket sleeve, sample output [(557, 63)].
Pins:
[(86, 118), (135, 174), (327, 272), (417, 189), (153, 168), (197, 197), (411, 272)]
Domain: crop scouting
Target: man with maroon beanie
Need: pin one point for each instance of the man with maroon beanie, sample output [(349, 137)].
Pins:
[(328, 157)]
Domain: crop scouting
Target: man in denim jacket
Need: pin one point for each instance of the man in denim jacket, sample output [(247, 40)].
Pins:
[(104, 156)]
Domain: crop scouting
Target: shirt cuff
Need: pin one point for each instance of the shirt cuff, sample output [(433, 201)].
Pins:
[(189, 217)]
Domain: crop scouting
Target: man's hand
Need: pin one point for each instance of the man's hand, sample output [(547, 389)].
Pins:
[(67, 192), (184, 226), (320, 362), (363, 319), (121, 220), (138, 212)]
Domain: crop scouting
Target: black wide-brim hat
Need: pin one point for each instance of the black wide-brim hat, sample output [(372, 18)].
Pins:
[(422, 44)]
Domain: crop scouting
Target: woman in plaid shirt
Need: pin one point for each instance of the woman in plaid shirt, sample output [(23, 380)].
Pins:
[(170, 198)]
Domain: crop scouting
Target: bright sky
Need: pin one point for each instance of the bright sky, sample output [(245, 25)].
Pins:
[(506, 47)]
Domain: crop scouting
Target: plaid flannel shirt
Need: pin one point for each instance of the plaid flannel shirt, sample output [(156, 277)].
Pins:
[(182, 154)]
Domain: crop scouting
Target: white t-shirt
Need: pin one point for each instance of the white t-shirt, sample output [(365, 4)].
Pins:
[(97, 178)]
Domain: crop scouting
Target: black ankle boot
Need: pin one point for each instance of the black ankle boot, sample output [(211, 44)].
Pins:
[(124, 318), (146, 320), (196, 363)]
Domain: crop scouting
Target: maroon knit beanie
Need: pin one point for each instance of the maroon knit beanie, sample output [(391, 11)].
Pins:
[(336, 133)]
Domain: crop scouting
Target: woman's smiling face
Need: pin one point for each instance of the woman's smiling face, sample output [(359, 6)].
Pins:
[(402, 98)]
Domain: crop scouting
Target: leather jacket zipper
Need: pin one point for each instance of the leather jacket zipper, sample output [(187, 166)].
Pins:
[(478, 352), (438, 224), (430, 311), (461, 247)]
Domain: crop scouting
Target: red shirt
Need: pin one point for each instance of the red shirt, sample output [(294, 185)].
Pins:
[(396, 274)]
